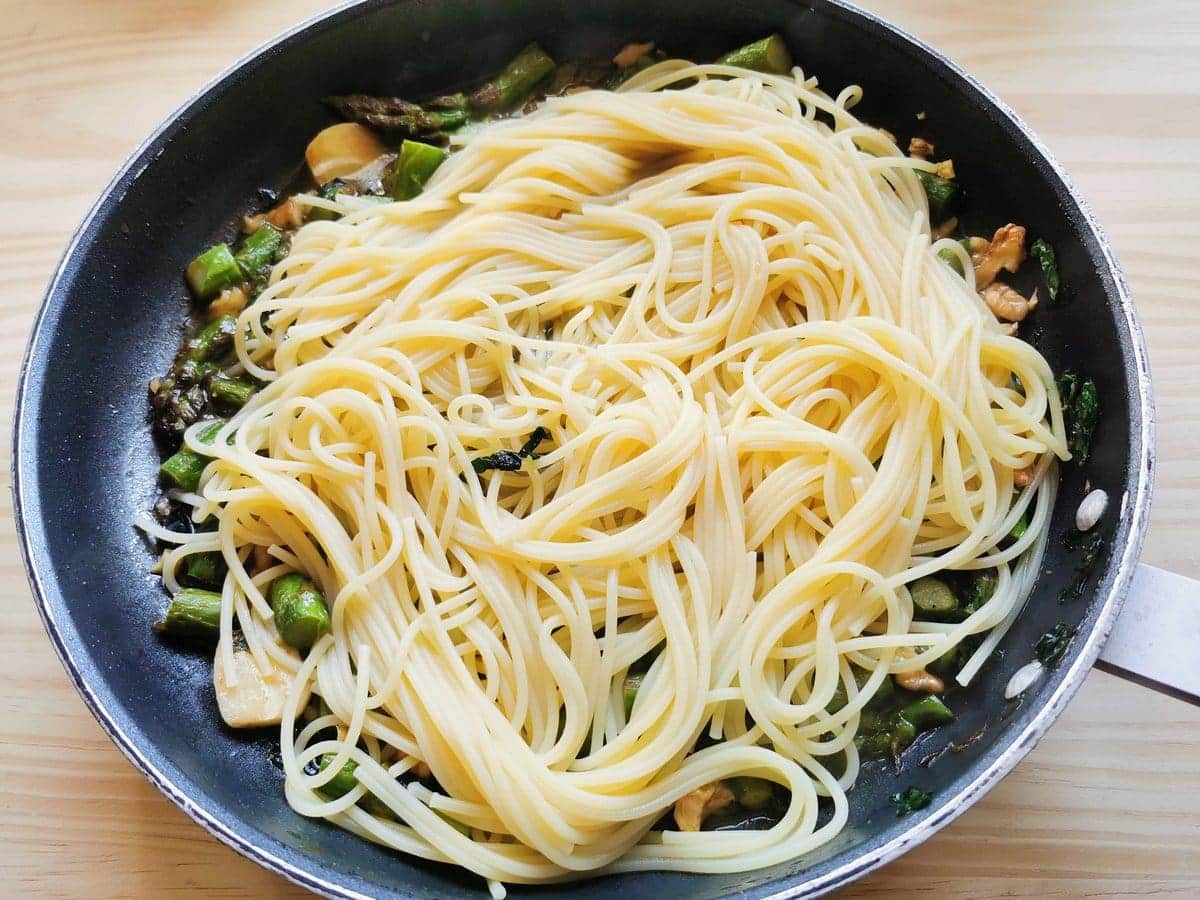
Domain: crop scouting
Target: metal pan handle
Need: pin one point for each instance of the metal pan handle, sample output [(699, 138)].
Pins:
[(1155, 639)]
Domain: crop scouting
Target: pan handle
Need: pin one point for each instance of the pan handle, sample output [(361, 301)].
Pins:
[(1157, 634)]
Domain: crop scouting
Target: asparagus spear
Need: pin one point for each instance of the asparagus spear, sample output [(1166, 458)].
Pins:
[(258, 250), (212, 271), (185, 467), (301, 615), (512, 85), (234, 391), (767, 55), (951, 259), (931, 595), (928, 712), (195, 614), (407, 174), (943, 195), (212, 341), (394, 114), (206, 568), (344, 782), (633, 684)]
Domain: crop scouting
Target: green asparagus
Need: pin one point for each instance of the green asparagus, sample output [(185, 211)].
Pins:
[(438, 116), (194, 614), (408, 173), (212, 271), (951, 259), (301, 615), (515, 83), (184, 467), (234, 391), (212, 341), (633, 684), (206, 568), (344, 782), (932, 596), (767, 55), (943, 194), (258, 251)]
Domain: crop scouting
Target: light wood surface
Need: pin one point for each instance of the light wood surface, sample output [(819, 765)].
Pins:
[(1108, 804)]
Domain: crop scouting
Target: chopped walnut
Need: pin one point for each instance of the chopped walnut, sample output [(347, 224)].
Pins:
[(1024, 477), (286, 216), (887, 134), (1006, 251), (631, 53), (918, 146), (1006, 304), (920, 680), (945, 169), (692, 809), (229, 302)]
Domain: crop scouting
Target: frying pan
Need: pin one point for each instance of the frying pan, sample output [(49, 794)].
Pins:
[(84, 463)]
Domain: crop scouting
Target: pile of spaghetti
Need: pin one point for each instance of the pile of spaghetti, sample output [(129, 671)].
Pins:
[(670, 379)]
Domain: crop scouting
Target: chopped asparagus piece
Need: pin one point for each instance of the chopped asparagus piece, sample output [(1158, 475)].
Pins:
[(234, 391), (194, 614), (767, 55), (212, 271), (951, 259), (301, 615), (943, 195), (258, 251), (633, 684), (932, 596), (392, 114), (408, 173), (185, 467), (206, 568), (512, 85), (212, 341)]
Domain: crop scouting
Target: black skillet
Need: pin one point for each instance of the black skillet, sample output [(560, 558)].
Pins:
[(84, 462)]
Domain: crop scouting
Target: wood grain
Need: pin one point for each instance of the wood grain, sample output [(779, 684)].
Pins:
[(1108, 802)]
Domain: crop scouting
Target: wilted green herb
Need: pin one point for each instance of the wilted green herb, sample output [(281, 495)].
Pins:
[(1044, 254), (507, 460), (1051, 646), (528, 448), (504, 460), (910, 800), (1081, 409), (1089, 543)]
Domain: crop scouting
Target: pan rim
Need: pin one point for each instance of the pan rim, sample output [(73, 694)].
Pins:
[(1109, 595)]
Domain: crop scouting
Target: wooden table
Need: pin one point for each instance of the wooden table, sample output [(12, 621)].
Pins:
[(1109, 802)]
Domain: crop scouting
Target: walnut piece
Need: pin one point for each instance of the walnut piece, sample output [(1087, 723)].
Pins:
[(287, 216), (945, 169), (918, 146), (1006, 304), (1006, 251), (920, 680), (229, 302), (631, 53), (693, 808), (1024, 477)]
